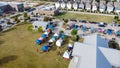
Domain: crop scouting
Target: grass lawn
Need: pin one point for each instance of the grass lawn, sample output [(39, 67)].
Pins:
[(96, 18), (18, 50)]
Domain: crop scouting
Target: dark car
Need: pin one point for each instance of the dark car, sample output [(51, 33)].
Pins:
[(83, 21), (73, 20), (102, 24)]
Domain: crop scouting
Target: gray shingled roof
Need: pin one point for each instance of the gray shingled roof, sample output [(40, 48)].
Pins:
[(117, 4), (88, 5), (110, 4), (94, 3), (102, 3)]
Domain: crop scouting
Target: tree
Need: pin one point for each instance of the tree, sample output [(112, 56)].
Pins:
[(97, 1), (66, 20), (61, 31), (117, 20), (40, 29), (30, 28), (25, 15), (16, 19), (74, 35), (1, 28), (74, 32), (116, 17), (8, 22), (47, 19), (32, 13)]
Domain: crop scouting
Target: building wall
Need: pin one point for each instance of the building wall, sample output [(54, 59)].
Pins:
[(94, 8)]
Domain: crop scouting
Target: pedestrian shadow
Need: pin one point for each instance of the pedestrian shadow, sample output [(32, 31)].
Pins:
[(7, 59)]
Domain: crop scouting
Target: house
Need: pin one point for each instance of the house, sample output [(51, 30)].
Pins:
[(38, 24), (102, 6), (94, 53), (117, 7), (57, 4), (81, 5), (88, 6), (63, 5), (94, 6), (75, 6), (69, 5), (110, 7)]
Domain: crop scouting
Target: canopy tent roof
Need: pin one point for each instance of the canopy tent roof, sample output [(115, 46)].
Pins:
[(59, 42), (66, 54)]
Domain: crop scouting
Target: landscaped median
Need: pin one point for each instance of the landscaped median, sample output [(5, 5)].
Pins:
[(89, 17)]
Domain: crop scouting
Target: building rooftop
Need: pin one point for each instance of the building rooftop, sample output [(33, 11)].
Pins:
[(94, 55), (3, 3), (15, 3), (94, 3), (117, 4), (102, 3), (88, 5), (47, 7), (110, 4)]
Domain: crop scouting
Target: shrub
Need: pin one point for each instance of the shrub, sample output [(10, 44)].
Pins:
[(61, 31), (75, 38), (74, 32), (66, 20), (47, 19), (1, 28), (30, 28), (40, 29)]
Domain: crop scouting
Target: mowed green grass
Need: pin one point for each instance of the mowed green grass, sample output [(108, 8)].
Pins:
[(89, 17), (18, 50)]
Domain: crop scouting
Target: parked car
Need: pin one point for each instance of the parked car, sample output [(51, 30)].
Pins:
[(101, 24), (100, 30), (83, 21), (70, 26), (93, 22), (73, 20)]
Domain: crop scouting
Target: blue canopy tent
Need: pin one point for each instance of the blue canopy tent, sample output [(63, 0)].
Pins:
[(54, 37), (38, 41), (83, 28), (118, 33), (62, 36), (50, 26), (109, 31), (44, 36), (75, 27), (44, 48)]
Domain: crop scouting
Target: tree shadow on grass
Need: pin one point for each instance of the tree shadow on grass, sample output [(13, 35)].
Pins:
[(11, 29), (7, 59), (1, 42)]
